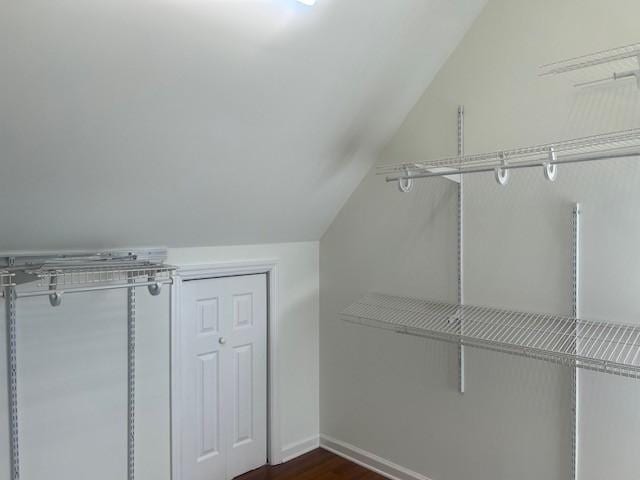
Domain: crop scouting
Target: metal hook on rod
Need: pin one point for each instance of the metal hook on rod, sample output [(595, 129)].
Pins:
[(55, 298), (405, 185), (550, 168), (154, 288), (502, 173)]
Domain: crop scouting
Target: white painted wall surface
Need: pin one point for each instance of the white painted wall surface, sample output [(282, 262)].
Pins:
[(396, 396), (72, 372), (234, 109)]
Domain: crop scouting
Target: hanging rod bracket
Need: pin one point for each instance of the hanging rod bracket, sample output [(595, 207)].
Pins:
[(550, 168), (155, 288), (502, 173), (405, 183), (454, 177), (55, 298)]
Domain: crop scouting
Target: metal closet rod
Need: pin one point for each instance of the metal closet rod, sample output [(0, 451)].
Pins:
[(531, 164), (41, 293)]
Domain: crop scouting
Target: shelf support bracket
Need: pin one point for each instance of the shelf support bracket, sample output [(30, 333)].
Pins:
[(461, 379), (575, 312)]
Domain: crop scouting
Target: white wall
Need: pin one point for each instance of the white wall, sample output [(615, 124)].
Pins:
[(396, 396), (225, 109), (72, 372)]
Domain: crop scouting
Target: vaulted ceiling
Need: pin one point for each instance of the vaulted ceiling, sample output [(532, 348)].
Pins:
[(202, 122)]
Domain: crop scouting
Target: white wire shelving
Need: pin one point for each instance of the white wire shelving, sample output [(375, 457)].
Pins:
[(605, 65), (615, 145), (600, 346), (121, 273), (55, 280), (56, 275)]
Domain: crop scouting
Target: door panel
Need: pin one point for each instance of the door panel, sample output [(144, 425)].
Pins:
[(248, 393), (224, 371), (243, 394), (208, 405), (204, 451), (243, 310), (209, 316)]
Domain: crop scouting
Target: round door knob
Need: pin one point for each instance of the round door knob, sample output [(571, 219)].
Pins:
[(222, 340)]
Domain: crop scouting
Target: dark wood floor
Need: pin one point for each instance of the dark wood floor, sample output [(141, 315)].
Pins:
[(316, 465)]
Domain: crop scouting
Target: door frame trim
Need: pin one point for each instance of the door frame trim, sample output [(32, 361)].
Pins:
[(216, 270)]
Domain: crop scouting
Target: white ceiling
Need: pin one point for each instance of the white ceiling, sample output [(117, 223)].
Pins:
[(202, 122)]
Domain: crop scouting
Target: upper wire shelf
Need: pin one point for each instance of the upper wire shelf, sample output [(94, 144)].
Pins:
[(592, 59), (56, 279), (60, 276), (613, 145), (605, 65), (54, 274), (605, 347)]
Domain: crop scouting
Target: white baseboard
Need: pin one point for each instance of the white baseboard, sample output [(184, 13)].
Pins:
[(294, 450), (368, 460)]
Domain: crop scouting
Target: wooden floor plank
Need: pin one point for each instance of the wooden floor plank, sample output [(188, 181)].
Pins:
[(316, 465)]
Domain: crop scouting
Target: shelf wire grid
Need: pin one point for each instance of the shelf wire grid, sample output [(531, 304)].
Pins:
[(60, 276), (609, 143), (592, 60), (600, 346)]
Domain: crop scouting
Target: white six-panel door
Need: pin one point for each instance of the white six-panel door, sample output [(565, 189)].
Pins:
[(224, 377)]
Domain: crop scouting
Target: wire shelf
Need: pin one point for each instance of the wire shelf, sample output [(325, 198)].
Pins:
[(597, 147), (592, 60), (58, 276), (598, 67), (600, 346)]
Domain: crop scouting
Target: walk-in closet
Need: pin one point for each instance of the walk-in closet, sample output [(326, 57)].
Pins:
[(319, 239)]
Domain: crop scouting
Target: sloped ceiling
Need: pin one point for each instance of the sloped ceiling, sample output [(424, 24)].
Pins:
[(202, 122)]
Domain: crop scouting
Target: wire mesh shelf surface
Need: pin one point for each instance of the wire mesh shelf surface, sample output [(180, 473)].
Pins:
[(596, 147), (592, 60), (601, 346), (61, 276), (595, 68)]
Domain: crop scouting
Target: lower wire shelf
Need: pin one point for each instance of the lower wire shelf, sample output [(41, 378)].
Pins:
[(601, 346)]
